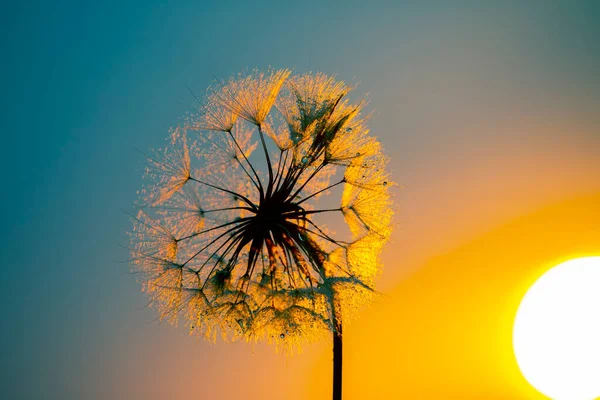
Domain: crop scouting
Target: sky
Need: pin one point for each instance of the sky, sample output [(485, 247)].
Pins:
[(488, 111)]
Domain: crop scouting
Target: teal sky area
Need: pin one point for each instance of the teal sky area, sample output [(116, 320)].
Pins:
[(488, 110)]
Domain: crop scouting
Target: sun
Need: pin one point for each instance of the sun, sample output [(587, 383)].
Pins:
[(556, 334)]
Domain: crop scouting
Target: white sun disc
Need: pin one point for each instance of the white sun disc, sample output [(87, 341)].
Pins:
[(556, 334)]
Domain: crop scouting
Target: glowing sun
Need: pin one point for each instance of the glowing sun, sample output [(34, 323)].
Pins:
[(556, 335)]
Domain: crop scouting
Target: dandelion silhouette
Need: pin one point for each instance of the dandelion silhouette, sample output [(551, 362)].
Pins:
[(230, 236)]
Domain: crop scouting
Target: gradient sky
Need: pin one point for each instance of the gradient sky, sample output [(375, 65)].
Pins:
[(489, 113)]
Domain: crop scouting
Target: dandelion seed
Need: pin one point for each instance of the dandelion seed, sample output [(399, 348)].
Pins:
[(214, 116), (251, 97), (169, 169), (307, 100)]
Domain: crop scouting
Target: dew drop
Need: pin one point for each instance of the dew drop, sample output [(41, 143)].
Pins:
[(348, 129), (282, 336), (357, 154), (384, 183), (304, 160)]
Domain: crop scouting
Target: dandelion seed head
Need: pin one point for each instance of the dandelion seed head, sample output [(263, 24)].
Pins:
[(230, 234)]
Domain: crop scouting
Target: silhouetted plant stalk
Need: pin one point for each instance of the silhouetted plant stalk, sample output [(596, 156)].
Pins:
[(230, 235)]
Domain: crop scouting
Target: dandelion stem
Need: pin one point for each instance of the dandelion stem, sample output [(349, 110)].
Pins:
[(337, 362)]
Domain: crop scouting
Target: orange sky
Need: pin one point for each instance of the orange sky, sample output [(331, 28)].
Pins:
[(445, 332)]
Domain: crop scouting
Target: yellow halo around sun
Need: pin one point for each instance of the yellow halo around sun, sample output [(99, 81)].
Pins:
[(556, 334)]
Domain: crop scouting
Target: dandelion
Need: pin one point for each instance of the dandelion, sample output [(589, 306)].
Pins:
[(235, 241)]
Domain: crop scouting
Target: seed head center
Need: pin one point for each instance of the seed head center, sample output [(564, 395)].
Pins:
[(273, 212)]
